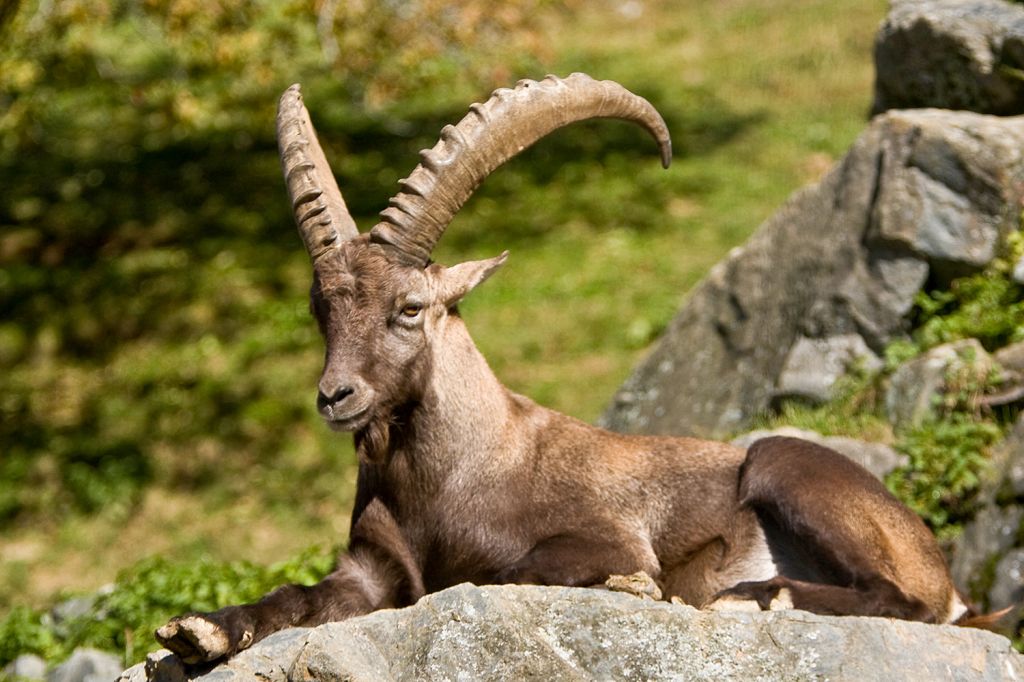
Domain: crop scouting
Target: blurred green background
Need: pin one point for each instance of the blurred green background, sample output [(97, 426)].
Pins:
[(157, 360)]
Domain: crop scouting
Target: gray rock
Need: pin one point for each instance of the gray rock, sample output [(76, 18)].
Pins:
[(268, 661), (950, 212), (1012, 449), (919, 192), (87, 665), (1008, 586), (951, 54), (1018, 271), (813, 366), (25, 667), (137, 673), (1011, 357), (558, 633), (919, 384), (878, 458), (993, 531)]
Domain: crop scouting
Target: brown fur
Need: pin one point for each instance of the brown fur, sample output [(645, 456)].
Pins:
[(462, 480)]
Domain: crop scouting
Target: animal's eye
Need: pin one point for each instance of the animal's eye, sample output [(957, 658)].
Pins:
[(411, 309)]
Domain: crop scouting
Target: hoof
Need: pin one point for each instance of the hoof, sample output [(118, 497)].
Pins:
[(194, 639), (639, 584)]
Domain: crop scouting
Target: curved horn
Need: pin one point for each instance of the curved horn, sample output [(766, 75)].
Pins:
[(320, 212), (488, 136)]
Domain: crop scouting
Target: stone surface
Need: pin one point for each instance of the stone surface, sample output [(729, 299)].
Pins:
[(921, 193), (940, 194), (27, 667), (919, 384), (1012, 449), (75, 608), (558, 633), (1008, 586), (87, 665), (813, 366), (1011, 357), (952, 54), (993, 531), (877, 458)]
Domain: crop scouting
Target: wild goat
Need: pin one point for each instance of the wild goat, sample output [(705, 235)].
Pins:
[(462, 480)]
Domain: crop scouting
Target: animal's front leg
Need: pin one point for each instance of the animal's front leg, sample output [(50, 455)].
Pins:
[(377, 572), (205, 637), (362, 583)]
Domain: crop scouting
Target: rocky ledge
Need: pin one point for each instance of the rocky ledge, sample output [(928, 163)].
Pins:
[(559, 633)]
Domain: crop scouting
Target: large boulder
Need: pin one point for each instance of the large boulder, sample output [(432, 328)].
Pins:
[(952, 54), (560, 633), (922, 194)]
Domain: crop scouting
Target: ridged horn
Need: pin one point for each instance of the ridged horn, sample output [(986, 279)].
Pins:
[(320, 212), (488, 136)]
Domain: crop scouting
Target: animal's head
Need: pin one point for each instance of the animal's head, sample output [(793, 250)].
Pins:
[(379, 300)]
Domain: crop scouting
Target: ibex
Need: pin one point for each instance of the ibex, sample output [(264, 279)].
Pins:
[(461, 479)]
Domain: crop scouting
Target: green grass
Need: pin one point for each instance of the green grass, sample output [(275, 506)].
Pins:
[(123, 617), (194, 437)]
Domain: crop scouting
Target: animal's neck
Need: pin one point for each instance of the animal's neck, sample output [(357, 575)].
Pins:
[(465, 421)]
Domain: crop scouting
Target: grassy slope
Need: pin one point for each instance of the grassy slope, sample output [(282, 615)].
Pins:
[(760, 96)]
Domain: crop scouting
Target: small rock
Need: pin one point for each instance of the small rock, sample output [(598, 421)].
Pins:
[(1011, 357), (813, 366), (919, 384), (87, 665), (136, 673), (27, 667), (877, 458), (76, 608), (163, 666), (639, 584)]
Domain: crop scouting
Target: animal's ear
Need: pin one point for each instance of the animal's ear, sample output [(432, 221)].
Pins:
[(459, 280)]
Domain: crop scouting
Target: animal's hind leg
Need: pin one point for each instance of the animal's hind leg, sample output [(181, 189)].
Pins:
[(878, 598), (845, 544)]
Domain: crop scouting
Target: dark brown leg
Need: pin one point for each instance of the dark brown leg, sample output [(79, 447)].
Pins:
[(876, 598), (843, 543), (377, 572)]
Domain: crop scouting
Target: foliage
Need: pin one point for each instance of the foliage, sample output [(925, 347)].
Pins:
[(947, 457), (144, 597), (987, 306), (855, 410), (949, 453), (150, 331)]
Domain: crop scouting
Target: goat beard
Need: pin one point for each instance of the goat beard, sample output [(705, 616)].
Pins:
[(372, 440)]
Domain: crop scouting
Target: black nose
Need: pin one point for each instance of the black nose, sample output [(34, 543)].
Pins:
[(339, 394)]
